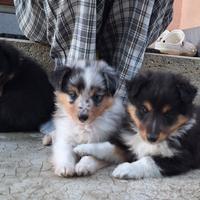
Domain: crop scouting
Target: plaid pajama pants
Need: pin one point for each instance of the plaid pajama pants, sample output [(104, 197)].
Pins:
[(119, 30)]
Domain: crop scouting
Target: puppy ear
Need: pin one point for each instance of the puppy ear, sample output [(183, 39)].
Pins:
[(186, 90), (135, 85), (60, 77), (111, 78)]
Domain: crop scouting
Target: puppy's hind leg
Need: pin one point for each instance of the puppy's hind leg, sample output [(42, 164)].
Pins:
[(102, 151)]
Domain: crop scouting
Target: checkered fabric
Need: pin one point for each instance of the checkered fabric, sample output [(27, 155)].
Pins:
[(119, 30)]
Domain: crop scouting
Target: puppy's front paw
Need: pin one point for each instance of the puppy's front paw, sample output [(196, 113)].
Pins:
[(67, 170), (124, 171), (143, 168), (86, 166), (83, 149)]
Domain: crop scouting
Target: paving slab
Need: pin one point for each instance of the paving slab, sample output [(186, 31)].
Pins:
[(26, 173)]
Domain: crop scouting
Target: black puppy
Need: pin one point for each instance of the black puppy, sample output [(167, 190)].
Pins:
[(26, 96), (165, 137)]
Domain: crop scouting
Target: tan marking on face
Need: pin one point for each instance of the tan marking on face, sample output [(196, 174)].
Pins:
[(72, 88), (132, 111), (179, 122), (162, 136), (143, 134), (166, 108), (97, 111), (148, 106), (92, 92), (71, 109)]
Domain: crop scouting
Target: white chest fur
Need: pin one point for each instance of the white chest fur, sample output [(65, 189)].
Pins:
[(75, 134), (142, 148)]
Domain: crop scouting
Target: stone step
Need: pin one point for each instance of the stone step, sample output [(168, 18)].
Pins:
[(187, 66), (37, 51)]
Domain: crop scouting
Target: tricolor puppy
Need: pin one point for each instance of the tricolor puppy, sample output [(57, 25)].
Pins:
[(165, 140), (87, 112)]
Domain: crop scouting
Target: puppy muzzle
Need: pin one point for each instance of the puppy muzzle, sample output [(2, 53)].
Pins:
[(83, 117), (152, 137)]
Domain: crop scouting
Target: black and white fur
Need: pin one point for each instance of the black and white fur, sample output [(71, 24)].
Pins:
[(87, 112), (165, 139), (26, 95)]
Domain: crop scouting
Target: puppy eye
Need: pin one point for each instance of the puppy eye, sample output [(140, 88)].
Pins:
[(169, 114), (143, 109), (73, 95), (97, 98), (169, 117)]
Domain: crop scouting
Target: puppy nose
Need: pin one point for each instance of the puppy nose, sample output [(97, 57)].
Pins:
[(83, 117), (152, 138)]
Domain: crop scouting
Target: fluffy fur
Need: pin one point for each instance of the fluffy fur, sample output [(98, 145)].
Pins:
[(165, 139), (26, 96), (87, 112)]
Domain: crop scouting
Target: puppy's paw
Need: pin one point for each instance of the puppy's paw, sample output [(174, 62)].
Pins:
[(86, 166), (67, 170), (83, 149), (124, 171), (47, 140), (143, 168)]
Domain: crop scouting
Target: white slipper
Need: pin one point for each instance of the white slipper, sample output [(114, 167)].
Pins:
[(174, 43), (152, 46)]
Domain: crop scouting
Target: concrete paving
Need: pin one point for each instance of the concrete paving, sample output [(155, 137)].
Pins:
[(26, 173)]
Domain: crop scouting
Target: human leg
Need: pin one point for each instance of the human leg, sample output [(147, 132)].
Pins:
[(69, 27), (130, 27)]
